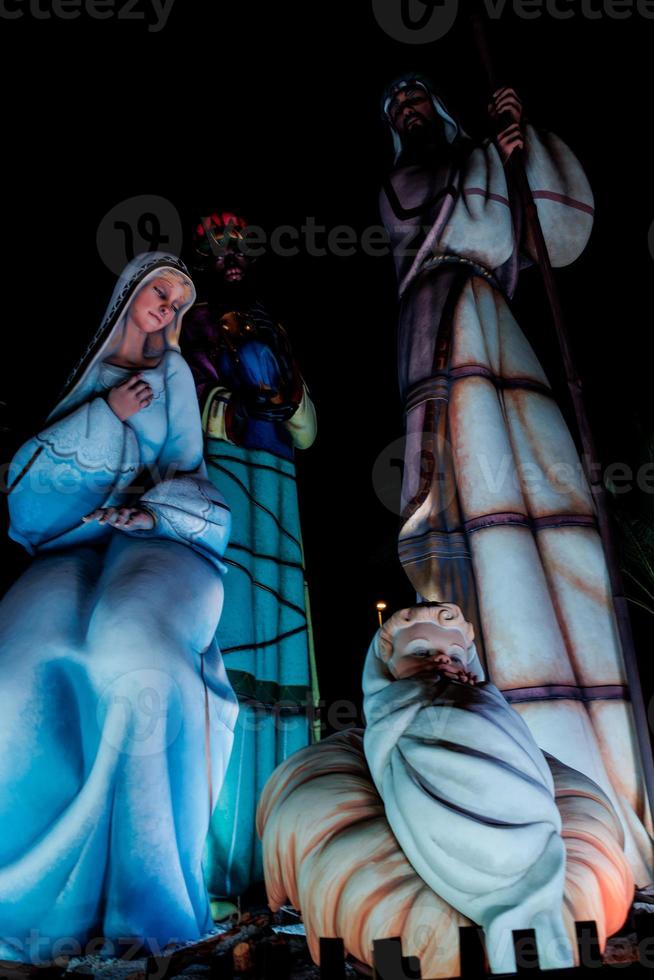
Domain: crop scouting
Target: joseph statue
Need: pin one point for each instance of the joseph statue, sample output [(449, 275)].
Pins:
[(497, 515)]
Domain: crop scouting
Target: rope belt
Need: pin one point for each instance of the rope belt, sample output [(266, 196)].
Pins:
[(446, 259)]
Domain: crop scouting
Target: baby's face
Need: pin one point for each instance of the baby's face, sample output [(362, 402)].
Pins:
[(424, 646)]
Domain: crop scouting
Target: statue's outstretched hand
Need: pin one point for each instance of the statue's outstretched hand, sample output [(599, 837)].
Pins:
[(124, 518)]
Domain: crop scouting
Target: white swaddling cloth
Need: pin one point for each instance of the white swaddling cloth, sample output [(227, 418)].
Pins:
[(466, 790)]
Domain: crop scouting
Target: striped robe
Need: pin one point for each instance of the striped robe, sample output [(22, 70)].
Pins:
[(265, 632), (497, 515)]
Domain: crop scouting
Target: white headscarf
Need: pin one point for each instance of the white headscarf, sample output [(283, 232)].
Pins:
[(82, 381), (451, 126)]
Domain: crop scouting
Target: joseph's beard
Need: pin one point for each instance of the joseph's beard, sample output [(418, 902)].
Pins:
[(421, 136)]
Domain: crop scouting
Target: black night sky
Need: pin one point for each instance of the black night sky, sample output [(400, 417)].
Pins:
[(273, 109)]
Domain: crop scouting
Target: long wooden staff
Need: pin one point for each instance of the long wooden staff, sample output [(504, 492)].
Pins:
[(516, 168)]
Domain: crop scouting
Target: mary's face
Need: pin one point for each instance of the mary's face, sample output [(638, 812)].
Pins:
[(156, 304)]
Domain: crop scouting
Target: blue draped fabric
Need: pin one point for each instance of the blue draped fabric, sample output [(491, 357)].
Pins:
[(116, 715)]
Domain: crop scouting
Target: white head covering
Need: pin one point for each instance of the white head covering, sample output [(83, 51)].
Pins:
[(82, 380), (452, 128)]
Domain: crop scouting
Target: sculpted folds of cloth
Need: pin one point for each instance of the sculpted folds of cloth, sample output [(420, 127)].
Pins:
[(116, 715), (497, 515), (442, 812)]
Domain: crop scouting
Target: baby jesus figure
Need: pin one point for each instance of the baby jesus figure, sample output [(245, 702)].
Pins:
[(428, 640), (442, 812), (467, 791)]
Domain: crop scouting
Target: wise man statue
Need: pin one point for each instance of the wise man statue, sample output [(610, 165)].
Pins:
[(256, 412)]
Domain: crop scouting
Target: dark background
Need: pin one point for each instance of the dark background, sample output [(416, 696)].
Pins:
[(274, 109)]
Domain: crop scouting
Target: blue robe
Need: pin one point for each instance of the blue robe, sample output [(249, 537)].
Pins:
[(116, 715), (265, 631)]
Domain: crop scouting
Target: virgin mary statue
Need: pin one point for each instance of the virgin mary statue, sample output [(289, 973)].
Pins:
[(116, 715)]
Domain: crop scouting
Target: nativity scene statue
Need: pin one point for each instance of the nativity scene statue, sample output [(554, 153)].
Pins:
[(498, 780), (256, 412), (116, 715)]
